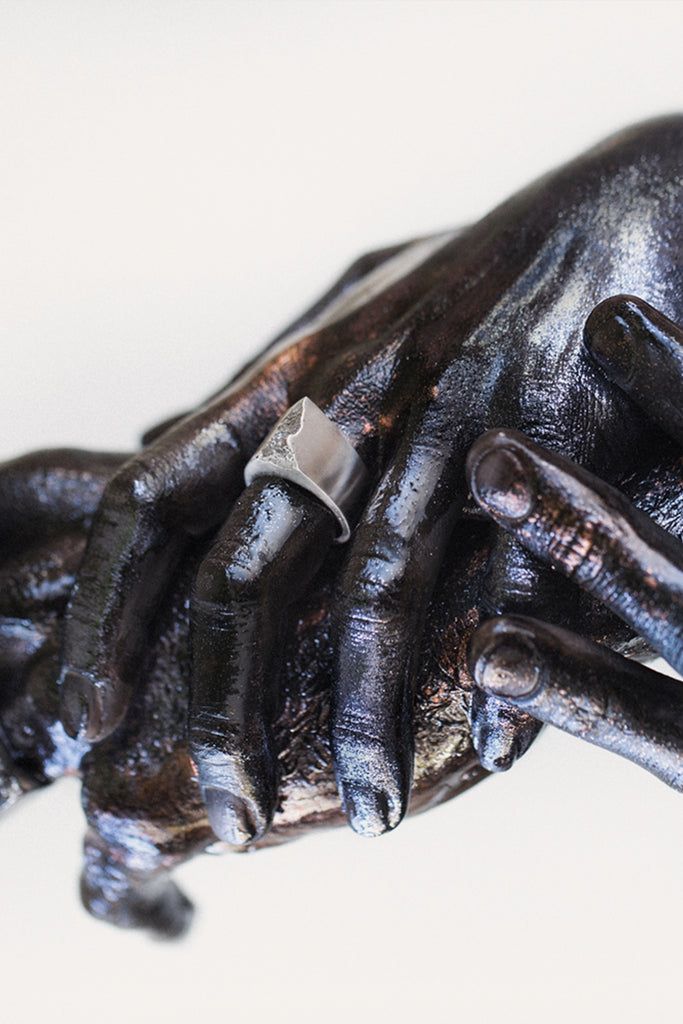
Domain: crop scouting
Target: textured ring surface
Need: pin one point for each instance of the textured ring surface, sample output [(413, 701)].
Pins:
[(309, 449)]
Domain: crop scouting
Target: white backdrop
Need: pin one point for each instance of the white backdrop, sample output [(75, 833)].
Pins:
[(177, 180)]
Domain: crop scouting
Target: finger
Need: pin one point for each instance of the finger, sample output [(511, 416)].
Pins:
[(584, 689), (30, 736), (47, 502), (38, 581), (49, 492), (641, 350), (272, 544), (379, 614), (501, 733), (185, 482), (116, 886), (182, 484), (517, 582), (588, 531), (20, 643)]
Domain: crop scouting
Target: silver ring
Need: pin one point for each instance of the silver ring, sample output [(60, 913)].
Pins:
[(309, 449)]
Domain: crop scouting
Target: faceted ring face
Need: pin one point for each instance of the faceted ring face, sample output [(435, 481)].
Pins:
[(308, 449)]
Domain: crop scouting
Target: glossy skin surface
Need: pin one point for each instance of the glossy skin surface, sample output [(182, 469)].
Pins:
[(590, 533), (414, 355), (140, 793), (483, 330)]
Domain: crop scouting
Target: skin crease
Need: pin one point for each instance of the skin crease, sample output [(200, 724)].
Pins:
[(140, 794), (485, 332), (473, 330), (590, 533)]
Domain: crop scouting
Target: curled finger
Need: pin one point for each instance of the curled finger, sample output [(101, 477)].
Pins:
[(379, 616), (588, 531), (270, 547), (303, 481), (184, 483), (518, 582), (584, 689)]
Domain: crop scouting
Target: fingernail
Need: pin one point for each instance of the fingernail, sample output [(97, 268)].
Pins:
[(495, 750), (501, 482), (232, 819), (80, 710), (509, 670), (501, 732), (367, 809), (609, 338), (494, 746)]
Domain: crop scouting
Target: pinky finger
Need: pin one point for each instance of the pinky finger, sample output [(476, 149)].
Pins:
[(584, 689)]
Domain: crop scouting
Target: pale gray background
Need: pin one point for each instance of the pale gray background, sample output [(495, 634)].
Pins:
[(176, 181)]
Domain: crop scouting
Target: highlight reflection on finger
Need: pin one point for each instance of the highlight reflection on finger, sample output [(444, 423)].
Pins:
[(588, 531), (584, 689)]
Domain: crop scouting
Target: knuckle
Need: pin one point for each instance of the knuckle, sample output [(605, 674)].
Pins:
[(213, 737), (579, 551), (378, 572), (353, 728), (585, 714), (220, 581), (140, 485)]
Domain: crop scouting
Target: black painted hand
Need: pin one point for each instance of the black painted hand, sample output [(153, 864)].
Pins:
[(631, 561), (414, 354), (140, 791), (140, 794), (47, 501)]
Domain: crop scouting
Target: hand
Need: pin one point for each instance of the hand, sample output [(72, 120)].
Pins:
[(594, 536), (47, 501), (413, 355), (140, 794)]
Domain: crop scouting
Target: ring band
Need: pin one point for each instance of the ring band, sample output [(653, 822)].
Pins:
[(306, 447)]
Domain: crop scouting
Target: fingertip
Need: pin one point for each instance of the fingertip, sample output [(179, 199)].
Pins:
[(74, 704), (239, 790), (504, 660), (373, 771), (370, 811), (233, 819), (89, 709), (609, 336), (501, 732), (501, 477)]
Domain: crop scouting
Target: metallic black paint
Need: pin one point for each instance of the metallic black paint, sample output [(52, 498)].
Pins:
[(291, 632)]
